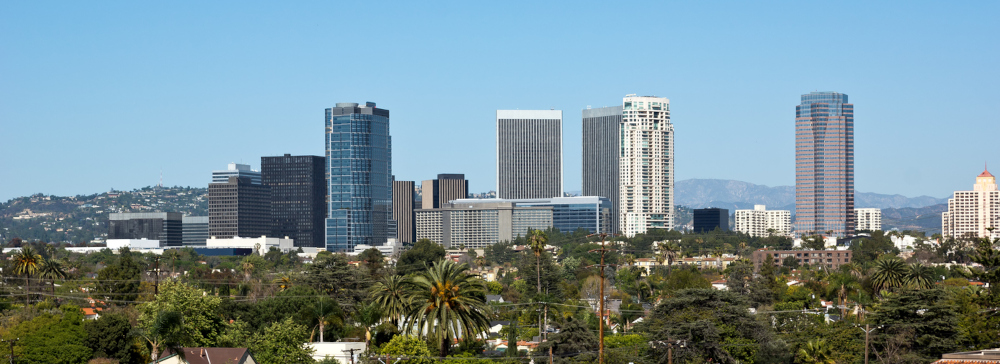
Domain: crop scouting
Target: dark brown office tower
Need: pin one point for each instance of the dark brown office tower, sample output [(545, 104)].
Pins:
[(447, 187), (298, 197), (238, 208), (402, 211), (824, 165)]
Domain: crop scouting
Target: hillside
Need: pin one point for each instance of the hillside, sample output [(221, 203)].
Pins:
[(700, 193), (926, 219), (80, 219)]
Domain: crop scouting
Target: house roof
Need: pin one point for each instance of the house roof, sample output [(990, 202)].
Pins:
[(988, 356), (211, 355)]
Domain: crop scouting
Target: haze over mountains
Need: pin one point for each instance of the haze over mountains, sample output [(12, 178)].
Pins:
[(731, 194)]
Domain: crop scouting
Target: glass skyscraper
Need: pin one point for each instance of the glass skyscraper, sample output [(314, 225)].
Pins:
[(824, 165), (359, 165)]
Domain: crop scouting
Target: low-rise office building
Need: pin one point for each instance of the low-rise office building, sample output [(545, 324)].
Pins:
[(194, 230), (165, 227), (478, 223), (711, 218), (869, 219)]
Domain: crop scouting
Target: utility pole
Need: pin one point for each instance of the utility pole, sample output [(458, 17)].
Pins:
[(156, 276), (600, 316), (867, 331), (352, 354), (11, 342)]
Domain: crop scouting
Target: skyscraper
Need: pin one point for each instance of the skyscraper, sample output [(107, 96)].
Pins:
[(298, 197), (824, 164), (240, 208), (529, 154), (446, 187), (402, 211), (646, 165), (601, 149), (359, 165), (236, 170)]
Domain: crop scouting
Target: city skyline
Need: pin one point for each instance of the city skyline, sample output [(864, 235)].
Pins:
[(228, 89)]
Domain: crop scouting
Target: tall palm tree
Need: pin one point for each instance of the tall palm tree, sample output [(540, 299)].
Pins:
[(843, 284), (816, 352), (717, 253), (324, 312), (247, 267), (537, 240), (447, 303), (52, 269), (283, 282), (26, 263), (172, 255), (368, 315), (919, 276), (165, 332), (391, 297), (670, 251), (889, 273), (480, 261)]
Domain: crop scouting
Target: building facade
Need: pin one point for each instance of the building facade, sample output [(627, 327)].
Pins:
[(826, 258), (601, 149), (824, 164), (163, 226), (298, 197), (446, 187), (478, 223), (529, 154), (402, 211), (236, 170), (646, 165), (761, 222), (359, 167), (194, 230), (711, 218), (974, 213), (238, 208), (868, 219)]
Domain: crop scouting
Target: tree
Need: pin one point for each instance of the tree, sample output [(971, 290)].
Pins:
[(119, 281), (172, 255), (415, 259), (53, 336), (919, 276), (368, 315), (324, 312), (716, 325), (333, 275), (26, 263), (920, 323), (889, 273), (247, 266), (537, 241), (110, 337), (52, 269), (282, 342), (574, 337), (200, 316), (815, 352), (372, 258), (165, 331), (410, 348), (391, 297), (813, 242), (448, 303)]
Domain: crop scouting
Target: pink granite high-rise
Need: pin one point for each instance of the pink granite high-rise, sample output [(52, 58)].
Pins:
[(824, 165)]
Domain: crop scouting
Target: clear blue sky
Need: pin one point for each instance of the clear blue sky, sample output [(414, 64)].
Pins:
[(97, 95)]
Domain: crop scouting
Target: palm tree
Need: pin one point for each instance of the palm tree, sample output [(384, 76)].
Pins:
[(52, 269), (324, 312), (165, 332), (368, 316), (889, 273), (283, 282), (247, 268), (717, 253), (919, 276), (670, 251), (816, 352), (26, 263), (537, 240), (480, 261), (172, 255), (447, 303), (630, 259), (844, 285), (391, 297)]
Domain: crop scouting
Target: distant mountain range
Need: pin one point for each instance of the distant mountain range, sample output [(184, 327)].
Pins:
[(730, 194), (898, 212)]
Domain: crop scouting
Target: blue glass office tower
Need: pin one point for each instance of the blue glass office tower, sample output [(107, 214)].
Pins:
[(359, 165)]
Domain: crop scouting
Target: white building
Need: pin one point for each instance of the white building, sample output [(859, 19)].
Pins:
[(261, 245), (762, 222), (133, 244), (236, 170), (646, 165), (972, 213), (869, 219)]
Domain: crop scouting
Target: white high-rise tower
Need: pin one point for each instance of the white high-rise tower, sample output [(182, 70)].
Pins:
[(645, 165)]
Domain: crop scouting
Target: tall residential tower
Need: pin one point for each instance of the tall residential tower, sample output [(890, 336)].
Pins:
[(645, 165), (359, 167), (975, 213), (529, 154), (824, 164)]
